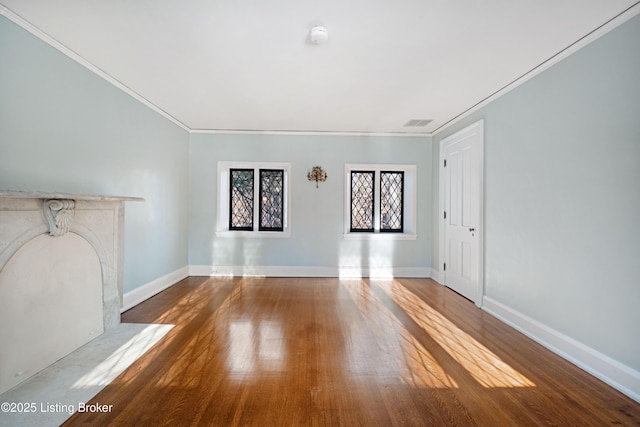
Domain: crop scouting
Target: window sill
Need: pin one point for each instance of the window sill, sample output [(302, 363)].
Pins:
[(254, 234), (379, 236)]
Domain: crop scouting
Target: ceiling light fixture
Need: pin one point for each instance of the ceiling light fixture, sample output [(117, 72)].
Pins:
[(318, 34)]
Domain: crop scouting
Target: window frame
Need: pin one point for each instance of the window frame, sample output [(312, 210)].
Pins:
[(260, 204), (373, 202), (253, 201), (224, 195), (402, 197), (409, 202)]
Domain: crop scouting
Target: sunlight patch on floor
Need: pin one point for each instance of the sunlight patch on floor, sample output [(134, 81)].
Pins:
[(412, 363), (199, 346), (58, 390), (122, 358), (481, 363)]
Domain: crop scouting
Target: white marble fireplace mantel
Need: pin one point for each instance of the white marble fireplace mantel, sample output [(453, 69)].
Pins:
[(19, 194), (61, 258)]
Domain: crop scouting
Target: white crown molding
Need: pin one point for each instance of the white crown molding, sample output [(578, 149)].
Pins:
[(26, 25), (607, 369), (305, 133), (585, 40), (611, 24), (18, 20)]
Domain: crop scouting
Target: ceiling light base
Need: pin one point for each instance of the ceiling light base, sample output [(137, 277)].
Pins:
[(318, 34)]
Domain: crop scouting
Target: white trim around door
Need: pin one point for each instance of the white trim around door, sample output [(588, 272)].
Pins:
[(474, 135)]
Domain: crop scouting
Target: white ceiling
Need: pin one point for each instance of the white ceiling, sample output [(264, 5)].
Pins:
[(248, 64)]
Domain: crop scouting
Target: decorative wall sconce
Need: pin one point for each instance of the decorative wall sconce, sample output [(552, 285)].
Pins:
[(317, 175)]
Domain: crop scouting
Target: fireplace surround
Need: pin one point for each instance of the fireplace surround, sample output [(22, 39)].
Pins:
[(61, 259)]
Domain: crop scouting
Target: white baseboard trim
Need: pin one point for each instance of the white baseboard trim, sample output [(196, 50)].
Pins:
[(291, 271), (144, 292), (607, 369), (436, 275)]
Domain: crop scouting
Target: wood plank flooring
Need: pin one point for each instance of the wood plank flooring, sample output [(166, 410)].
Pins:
[(330, 352)]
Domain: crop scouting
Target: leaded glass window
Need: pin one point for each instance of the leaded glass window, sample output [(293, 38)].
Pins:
[(241, 199), (362, 194), (380, 199), (271, 199), (253, 199), (391, 201)]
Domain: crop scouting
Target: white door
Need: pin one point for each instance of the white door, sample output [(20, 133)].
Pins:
[(461, 173)]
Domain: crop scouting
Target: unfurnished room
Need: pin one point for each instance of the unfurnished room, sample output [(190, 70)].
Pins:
[(293, 213)]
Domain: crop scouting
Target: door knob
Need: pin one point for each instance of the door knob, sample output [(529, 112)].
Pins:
[(473, 230)]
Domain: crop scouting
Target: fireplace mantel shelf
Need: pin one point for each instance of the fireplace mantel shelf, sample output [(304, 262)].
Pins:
[(17, 194)]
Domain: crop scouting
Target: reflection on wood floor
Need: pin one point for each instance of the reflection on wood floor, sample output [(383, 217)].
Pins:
[(298, 352)]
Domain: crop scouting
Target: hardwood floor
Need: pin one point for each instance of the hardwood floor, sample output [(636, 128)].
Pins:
[(330, 352)]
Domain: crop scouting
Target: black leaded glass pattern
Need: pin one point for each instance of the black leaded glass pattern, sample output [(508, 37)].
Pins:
[(391, 201), (241, 203), (362, 190), (271, 199)]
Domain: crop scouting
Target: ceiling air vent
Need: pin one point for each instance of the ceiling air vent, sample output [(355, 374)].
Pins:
[(417, 123)]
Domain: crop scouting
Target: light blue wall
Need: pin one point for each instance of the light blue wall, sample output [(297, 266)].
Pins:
[(62, 128), (562, 200), (316, 215)]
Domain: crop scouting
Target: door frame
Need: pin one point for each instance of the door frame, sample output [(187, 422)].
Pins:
[(475, 131)]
